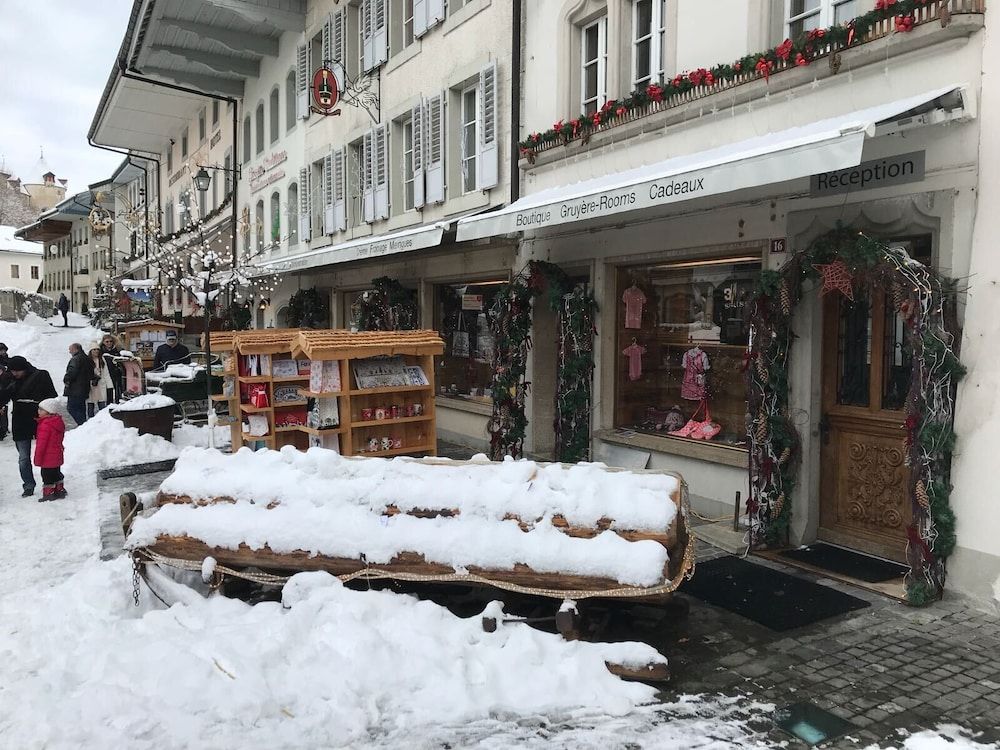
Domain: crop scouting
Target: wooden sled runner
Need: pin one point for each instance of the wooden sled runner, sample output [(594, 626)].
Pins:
[(597, 547)]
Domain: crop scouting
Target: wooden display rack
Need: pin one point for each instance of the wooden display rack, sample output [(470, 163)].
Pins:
[(417, 432), (223, 344)]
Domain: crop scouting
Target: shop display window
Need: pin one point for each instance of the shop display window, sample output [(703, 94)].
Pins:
[(682, 335), (465, 370)]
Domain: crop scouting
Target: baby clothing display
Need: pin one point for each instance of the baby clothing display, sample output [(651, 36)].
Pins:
[(635, 301), (695, 363), (634, 353)]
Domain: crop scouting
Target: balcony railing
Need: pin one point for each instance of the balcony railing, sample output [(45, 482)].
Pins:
[(889, 17)]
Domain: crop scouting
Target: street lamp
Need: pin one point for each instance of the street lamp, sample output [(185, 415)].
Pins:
[(202, 180)]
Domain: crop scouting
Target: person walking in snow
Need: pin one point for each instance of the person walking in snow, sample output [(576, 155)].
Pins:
[(79, 372), (5, 379), (49, 434), (110, 349), (63, 306), (101, 385), (28, 387)]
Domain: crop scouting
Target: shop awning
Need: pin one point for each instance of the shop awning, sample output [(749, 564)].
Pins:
[(823, 146), (427, 235)]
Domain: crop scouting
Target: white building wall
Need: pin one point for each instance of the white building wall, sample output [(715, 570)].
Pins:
[(24, 262)]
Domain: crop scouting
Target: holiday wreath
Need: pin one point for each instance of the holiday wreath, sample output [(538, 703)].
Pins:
[(846, 261)]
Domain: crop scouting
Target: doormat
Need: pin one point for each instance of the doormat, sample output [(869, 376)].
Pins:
[(775, 600), (847, 562)]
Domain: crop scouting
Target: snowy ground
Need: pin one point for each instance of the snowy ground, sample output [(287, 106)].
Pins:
[(82, 667)]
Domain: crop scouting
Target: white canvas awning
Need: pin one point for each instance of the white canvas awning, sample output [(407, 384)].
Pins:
[(823, 146), (427, 235)]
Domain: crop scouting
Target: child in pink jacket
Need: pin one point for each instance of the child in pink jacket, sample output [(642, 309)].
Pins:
[(49, 449)]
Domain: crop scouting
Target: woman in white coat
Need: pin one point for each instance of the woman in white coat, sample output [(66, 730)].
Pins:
[(101, 384)]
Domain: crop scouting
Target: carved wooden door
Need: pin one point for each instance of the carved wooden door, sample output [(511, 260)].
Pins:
[(866, 377)]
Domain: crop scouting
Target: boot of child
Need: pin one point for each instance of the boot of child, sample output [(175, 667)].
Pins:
[(60, 491), (48, 493)]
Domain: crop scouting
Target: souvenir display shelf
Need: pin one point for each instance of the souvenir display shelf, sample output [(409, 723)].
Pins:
[(223, 343), (141, 337), (270, 345), (365, 413)]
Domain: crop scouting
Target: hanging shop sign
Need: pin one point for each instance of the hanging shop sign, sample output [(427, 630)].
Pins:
[(868, 175), (266, 174), (325, 92), (366, 247)]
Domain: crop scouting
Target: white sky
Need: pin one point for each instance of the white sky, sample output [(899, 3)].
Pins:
[(55, 57)]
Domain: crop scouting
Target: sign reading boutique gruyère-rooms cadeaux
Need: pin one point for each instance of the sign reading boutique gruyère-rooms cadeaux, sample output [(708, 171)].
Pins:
[(266, 174)]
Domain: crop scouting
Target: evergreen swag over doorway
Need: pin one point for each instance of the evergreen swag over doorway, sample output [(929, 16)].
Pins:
[(847, 260), (510, 324)]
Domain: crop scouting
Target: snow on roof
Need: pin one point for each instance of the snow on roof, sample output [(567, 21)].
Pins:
[(138, 283), (10, 244)]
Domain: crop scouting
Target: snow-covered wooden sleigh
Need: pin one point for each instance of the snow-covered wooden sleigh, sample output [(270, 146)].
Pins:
[(567, 532)]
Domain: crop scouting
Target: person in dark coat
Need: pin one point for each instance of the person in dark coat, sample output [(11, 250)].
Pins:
[(171, 353), (109, 348), (79, 372), (63, 306), (28, 386), (5, 379)]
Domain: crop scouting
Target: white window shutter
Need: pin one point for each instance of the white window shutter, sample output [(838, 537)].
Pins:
[(380, 31), (381, 166), (302, 82), (435, 12), (327, 42), (338, 32), (417, 155), (368, 184), (366, 16), (434, 147), (419, 18), (328, 194), (305, 206), (488, 156), (339, 190)]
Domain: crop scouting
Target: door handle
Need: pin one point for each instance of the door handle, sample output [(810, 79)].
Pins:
[(824, 429)]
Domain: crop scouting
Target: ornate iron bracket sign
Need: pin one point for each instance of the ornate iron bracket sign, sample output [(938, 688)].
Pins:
[(330, 89)]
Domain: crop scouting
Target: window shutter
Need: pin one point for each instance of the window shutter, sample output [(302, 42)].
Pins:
[(327, 41), (417, 155), (368, 187), (419, 18), (381, 167), (338, 31), (305, 206), (328, 194), (434, 146), (367, 32), (380, 32), (488, 157), (302, 82), (339, 190), (435, 12)]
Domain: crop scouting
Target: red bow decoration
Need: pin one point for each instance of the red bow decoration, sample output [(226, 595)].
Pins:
[(654, 92), (575, 124), (850, 33), (784, 49), (801, 59), (621, 111), (884, 4), (764, 68), (814, 34), (558, 126), (904, 23)]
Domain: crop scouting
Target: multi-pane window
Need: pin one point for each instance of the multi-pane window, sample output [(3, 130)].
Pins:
[(407, 23), (34, 272), (260, 128), (202, 126), (15, 271), (215, 113), (290, 105), (246, 138), (594, 65), (805, 15), (470, 135), (647, 41), (408, 197), (170, 158), (184, 144), (293, 214), (275, 115)]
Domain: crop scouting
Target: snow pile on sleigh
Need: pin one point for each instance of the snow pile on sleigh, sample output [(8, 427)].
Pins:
[(563, 531)]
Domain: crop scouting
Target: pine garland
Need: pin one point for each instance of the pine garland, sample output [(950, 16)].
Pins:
[(791, 53), (919, 295), (510, 322)]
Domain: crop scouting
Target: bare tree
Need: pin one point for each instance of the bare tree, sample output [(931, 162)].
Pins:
[(14, 208)]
